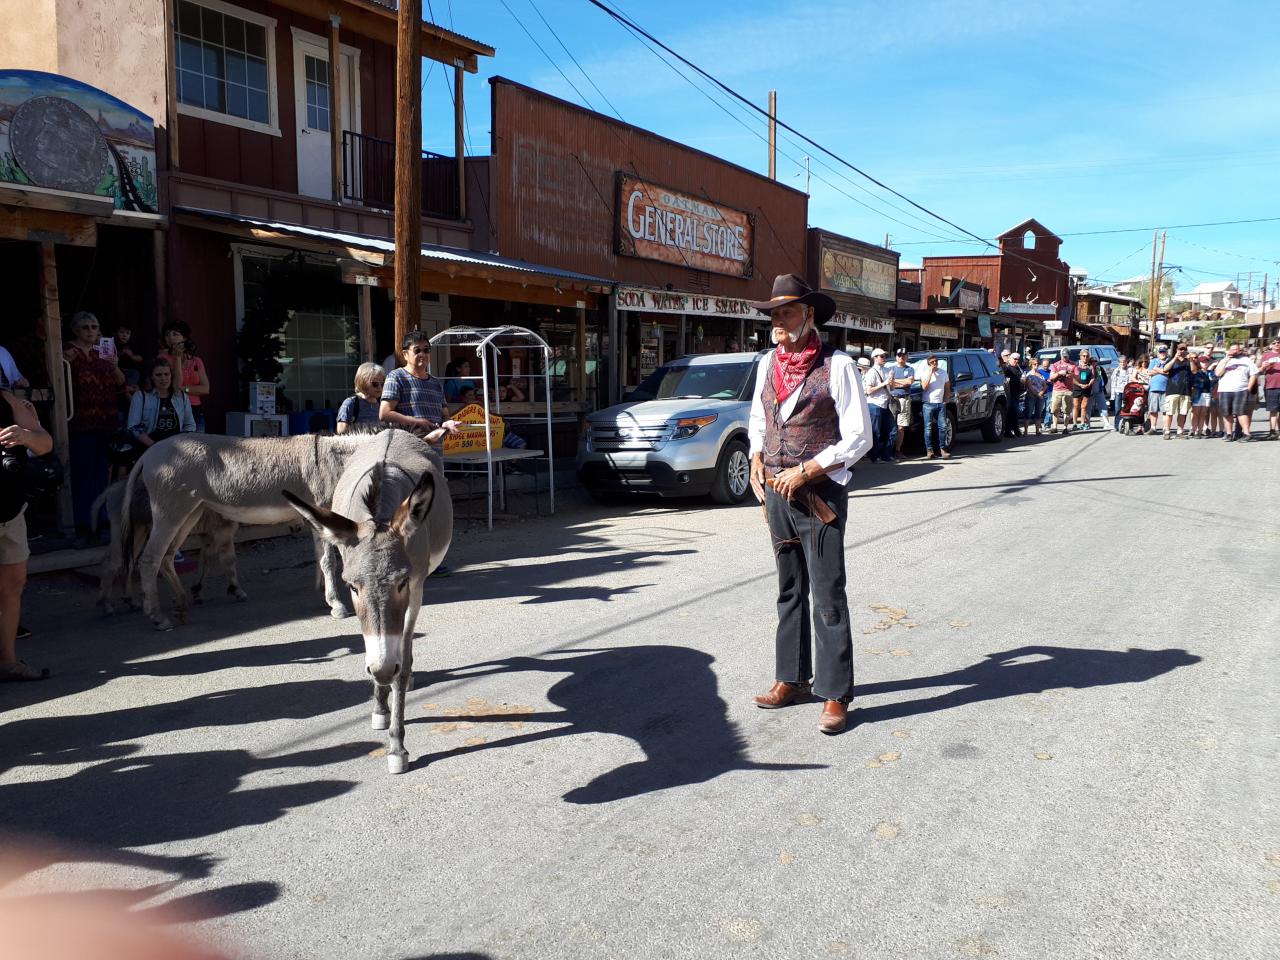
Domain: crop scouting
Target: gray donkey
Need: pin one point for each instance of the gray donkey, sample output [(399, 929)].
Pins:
[(392, 522), (240, 480)]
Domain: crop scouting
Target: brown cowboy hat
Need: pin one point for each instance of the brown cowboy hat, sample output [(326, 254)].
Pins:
[(788, 288)]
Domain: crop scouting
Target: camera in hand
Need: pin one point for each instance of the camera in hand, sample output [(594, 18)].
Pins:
[(11, 458)]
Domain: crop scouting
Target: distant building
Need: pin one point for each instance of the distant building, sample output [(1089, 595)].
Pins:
[(1217, 295)]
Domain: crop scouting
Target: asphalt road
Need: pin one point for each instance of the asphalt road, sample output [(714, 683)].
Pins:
[(1066, 663)]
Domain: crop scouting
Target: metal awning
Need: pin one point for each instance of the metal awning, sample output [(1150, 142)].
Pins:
[(441, 257)]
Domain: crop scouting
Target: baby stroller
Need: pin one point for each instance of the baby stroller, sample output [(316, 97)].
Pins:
[(1133, 407)]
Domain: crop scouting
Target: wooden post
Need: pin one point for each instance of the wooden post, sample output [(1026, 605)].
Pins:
[(170, 89), (773, 134), (1152, 301), (408, 182), (582, 352), (335, 106), (366, 324), (1159, 283), (57, 378), (616, 354), (158, 240), (459, 140)]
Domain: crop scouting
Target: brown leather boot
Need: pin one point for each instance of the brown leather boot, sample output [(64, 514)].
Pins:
[(834, 717), (782, 695)]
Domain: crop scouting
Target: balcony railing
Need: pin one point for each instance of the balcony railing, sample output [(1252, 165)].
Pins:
[(368, 176)]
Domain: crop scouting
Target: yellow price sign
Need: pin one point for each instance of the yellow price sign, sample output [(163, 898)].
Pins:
[(470, 435)]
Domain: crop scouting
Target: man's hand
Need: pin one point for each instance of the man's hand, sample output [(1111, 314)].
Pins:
[(757, 476), (789, 482), (11, 436), (451, 426)]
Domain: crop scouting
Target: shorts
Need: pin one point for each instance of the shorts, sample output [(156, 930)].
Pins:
[(1204, 400), (1155, 401), (904, 411), (1079, 393), (1177, 404), (1233, 403), (13, 539), (1273, 401), (1061, 402)]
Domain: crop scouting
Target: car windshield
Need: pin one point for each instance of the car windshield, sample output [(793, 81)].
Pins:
[(921, 367), (702, 381)]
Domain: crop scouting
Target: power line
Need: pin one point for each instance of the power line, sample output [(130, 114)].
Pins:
[(542, 50), (1100, 233), (575, 60)]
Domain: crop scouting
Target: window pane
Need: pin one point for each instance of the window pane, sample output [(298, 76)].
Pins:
[(309, 67), (213, 63), (322, 70), (215, 95), (322, 119), (190, 88), (190, 56), (189, 19), (255, 40), (258, 106), (237, 100), (211, 22), (257, 74), (235, 33), (237, 71)]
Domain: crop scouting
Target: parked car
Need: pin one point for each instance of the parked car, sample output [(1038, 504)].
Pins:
[(1107, 356), (978, 398), (681, 433)]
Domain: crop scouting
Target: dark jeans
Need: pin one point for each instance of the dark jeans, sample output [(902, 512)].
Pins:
[(1117, 403), (810, 559), (1013, 415), (882, 420), (89, 471)]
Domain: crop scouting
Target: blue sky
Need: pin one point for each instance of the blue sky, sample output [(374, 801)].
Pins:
[(1085, 115)]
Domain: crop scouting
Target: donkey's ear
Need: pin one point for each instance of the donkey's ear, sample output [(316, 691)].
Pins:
[(412, 513), (333, 527)]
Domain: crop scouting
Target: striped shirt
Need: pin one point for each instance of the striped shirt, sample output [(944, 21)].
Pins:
[(415, 397)]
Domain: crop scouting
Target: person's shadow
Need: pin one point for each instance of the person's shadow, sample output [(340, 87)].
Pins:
[(1029, 669), (664, 698)]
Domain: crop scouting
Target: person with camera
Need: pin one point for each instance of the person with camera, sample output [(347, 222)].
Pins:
[(1177, 392), (188, 369), (20, 431), (96, 381)]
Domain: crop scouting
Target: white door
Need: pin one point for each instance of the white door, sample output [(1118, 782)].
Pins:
[(313, 97)]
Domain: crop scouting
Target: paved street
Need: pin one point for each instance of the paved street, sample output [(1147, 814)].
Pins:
[(1066, 742)]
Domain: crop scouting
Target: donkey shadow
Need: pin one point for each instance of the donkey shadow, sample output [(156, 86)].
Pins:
[(662, 697), (1012, 674)]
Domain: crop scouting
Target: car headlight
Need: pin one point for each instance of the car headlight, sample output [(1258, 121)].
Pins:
[(688, 426)]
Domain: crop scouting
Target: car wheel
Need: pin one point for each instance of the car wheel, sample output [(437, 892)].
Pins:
[(605, 496), (950, 438), (733, 474), (993, 426)]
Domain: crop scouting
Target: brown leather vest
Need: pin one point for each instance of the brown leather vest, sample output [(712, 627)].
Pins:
[(813, 425)]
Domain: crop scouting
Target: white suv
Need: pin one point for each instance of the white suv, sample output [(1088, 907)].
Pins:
[(681, 433)]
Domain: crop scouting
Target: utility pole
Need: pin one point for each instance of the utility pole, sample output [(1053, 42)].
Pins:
[(408, 173), (1152, 302), (1262, 323), (1159, 284), (773, 135)]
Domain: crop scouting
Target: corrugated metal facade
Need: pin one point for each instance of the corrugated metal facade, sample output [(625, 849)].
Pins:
[(555, 196)]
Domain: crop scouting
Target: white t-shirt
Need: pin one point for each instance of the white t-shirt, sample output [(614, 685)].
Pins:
[(1235, 377), (937, 386), (10, 369), (874, 376)]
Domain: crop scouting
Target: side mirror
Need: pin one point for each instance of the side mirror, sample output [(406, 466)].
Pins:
[(962, 377)]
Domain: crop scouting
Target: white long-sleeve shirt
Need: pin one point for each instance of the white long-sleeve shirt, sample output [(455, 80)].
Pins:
[(851, 408)]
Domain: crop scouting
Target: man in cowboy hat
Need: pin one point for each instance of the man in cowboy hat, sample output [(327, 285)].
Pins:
[(809, 424)]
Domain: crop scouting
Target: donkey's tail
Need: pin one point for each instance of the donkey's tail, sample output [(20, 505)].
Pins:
[(128, 546)]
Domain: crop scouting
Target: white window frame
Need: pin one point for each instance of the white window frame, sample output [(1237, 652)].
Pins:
[(273, 108), (343, 49)]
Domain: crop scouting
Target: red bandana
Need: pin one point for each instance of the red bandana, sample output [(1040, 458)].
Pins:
[(790, 369)]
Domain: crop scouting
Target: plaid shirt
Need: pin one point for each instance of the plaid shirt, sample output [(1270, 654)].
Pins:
[(414, 397)]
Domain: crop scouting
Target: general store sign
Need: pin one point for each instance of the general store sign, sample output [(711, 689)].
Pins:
[(658, 223), (1046, 309), (854, 322), (663, 301), (847, 272)]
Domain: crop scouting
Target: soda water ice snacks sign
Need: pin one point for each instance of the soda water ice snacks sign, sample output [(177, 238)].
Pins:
[(658, 223)]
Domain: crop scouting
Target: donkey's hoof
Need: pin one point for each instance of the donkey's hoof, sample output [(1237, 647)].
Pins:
[(381, 721), (105, 608), (163, 624), (239, 594), (339, 611), (397, 762)]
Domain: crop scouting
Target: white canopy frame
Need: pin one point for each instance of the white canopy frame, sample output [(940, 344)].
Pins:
[(492, 342)]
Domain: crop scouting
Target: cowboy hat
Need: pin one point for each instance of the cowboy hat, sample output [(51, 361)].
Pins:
[(788, 288)]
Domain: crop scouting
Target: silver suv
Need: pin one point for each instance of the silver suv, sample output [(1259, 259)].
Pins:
[(681, 433)]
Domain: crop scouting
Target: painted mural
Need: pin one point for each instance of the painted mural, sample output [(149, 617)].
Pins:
[(62, 134)]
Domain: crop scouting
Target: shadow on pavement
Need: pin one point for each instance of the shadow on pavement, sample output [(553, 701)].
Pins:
[(664, 698), (1014, 673)]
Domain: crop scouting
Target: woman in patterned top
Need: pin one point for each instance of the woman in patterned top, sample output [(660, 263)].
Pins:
[(96, 382)]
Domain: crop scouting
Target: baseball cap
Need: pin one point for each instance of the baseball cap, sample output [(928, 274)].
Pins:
[(901, 352), (877, 352), (864, 362), (1163, 348)]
